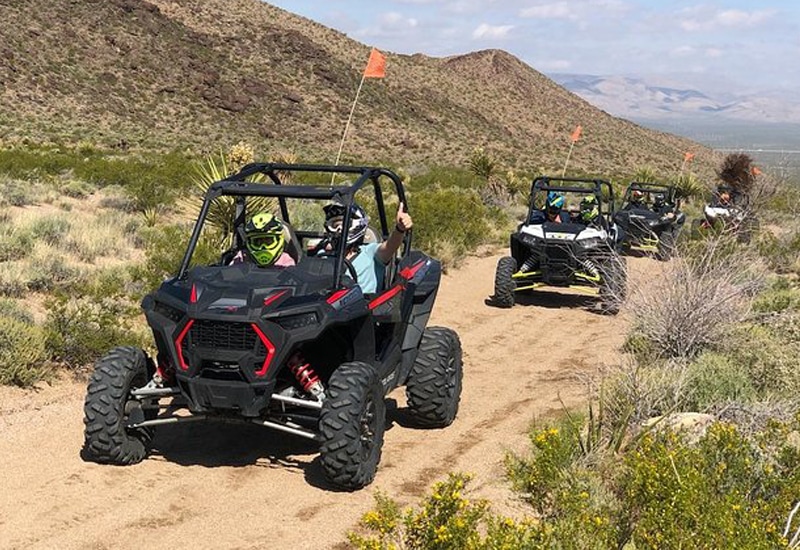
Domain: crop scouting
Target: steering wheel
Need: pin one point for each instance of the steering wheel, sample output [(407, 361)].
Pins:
[(351, 270)]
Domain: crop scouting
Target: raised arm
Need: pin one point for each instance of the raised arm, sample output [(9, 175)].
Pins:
[(388, 247)]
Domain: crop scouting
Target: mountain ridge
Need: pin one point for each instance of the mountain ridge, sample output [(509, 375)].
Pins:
[(205, 74)]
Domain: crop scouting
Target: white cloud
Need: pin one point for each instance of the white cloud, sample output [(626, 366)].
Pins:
[(714, 52), (727, 19), (485, 30), (682, 51), (557, 10), (394, 20)]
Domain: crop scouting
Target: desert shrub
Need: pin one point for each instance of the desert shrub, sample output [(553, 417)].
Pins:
[(15, 192), (782, 253), (80, 329), (696, 300), (16, 242), (688, 187), (769, 358), (714, 378), (780, 296), (164, 250), (729, 489), (51, 229), (22, 352), (76, 189), (720, 493), (455, 216), (10, 308)]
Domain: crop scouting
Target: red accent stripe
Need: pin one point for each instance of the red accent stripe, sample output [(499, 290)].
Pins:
[(193, 296), (178, 341), (386, 296), (410, 271), (274, 296), (270, 350), (337, 295)]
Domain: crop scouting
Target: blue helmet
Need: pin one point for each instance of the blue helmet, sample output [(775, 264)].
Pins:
[(555, 202)]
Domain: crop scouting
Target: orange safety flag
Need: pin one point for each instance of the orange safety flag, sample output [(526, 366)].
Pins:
[(755, 170), (576, 134), (687, 156), (376, 66)]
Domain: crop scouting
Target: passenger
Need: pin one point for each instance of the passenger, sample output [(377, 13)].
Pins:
[(264, 243), (368, 260), (589, 210)]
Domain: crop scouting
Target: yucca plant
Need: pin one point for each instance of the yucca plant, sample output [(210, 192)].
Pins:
[(222, 211), (646, 174), (689, 186)]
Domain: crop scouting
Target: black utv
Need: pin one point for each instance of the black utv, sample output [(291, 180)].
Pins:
[(651, 219), (301, 349), (568, 249)]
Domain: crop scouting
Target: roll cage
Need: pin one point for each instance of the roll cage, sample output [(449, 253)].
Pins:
[(601, 189), (651, 188), (237, 186)]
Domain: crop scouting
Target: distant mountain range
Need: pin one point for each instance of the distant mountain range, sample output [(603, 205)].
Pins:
[(640, 99)]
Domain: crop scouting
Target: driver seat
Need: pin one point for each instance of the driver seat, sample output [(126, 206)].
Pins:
[(292, 246)]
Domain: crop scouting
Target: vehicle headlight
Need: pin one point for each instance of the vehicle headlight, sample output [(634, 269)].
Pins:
[(531, 240), (590, 243)]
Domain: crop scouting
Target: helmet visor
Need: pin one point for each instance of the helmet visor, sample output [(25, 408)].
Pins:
[(263, 241)]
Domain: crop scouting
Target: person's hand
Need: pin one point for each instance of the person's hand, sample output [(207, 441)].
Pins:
[(403, 219)]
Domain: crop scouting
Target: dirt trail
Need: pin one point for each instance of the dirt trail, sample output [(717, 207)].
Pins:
[(231, 486)]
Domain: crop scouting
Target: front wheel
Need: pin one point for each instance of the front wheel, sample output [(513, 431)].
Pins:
[(504, 285), (666, 245), (109, 408), (351, 424), (433, 388), (614, 284)]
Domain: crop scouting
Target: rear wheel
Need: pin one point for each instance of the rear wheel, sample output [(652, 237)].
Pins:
[(433, 388), (504, 284), (108, 409), (352, 423)]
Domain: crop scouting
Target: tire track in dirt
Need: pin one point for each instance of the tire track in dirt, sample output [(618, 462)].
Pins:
[(239, 486)]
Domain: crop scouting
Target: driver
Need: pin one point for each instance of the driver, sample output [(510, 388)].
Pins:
[(637, 199), (368, 260)]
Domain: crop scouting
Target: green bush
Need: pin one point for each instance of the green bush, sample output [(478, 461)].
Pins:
[(11, 308), (164, 250), (82, 329), (714, 378), (770, 360), (780, 296), (50, 229), (15, 242), (720, 493), (23, 357), (453, 218)]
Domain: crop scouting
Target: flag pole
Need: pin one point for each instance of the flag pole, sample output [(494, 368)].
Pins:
[(347, 125), (569, 154)]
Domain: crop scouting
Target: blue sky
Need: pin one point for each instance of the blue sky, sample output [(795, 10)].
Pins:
[(714, 45)]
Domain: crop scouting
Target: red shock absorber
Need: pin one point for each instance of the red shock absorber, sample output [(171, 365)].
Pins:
[(305, 375)]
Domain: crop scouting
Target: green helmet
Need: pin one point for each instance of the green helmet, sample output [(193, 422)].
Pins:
[(589, 208), (264, 238)]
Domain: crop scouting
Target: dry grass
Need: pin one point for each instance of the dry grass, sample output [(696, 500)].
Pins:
[(697, 298)]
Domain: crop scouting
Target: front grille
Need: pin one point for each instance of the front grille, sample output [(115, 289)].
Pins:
[(558, 252), (223, 335)]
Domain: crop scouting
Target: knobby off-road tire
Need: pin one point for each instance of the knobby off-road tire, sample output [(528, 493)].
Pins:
[(351, 423), (666, 245), (614, 284), (504, 284), (108, 406), (433, 388)]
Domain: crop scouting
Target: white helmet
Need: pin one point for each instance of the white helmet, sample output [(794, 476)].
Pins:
[(334, 216)]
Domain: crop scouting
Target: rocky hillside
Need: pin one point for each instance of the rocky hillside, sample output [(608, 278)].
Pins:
[(206, 73)]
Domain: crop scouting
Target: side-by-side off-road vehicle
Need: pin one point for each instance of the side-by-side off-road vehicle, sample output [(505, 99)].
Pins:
[(728, 210), (568, 252), (650, 218), (301, 349)]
